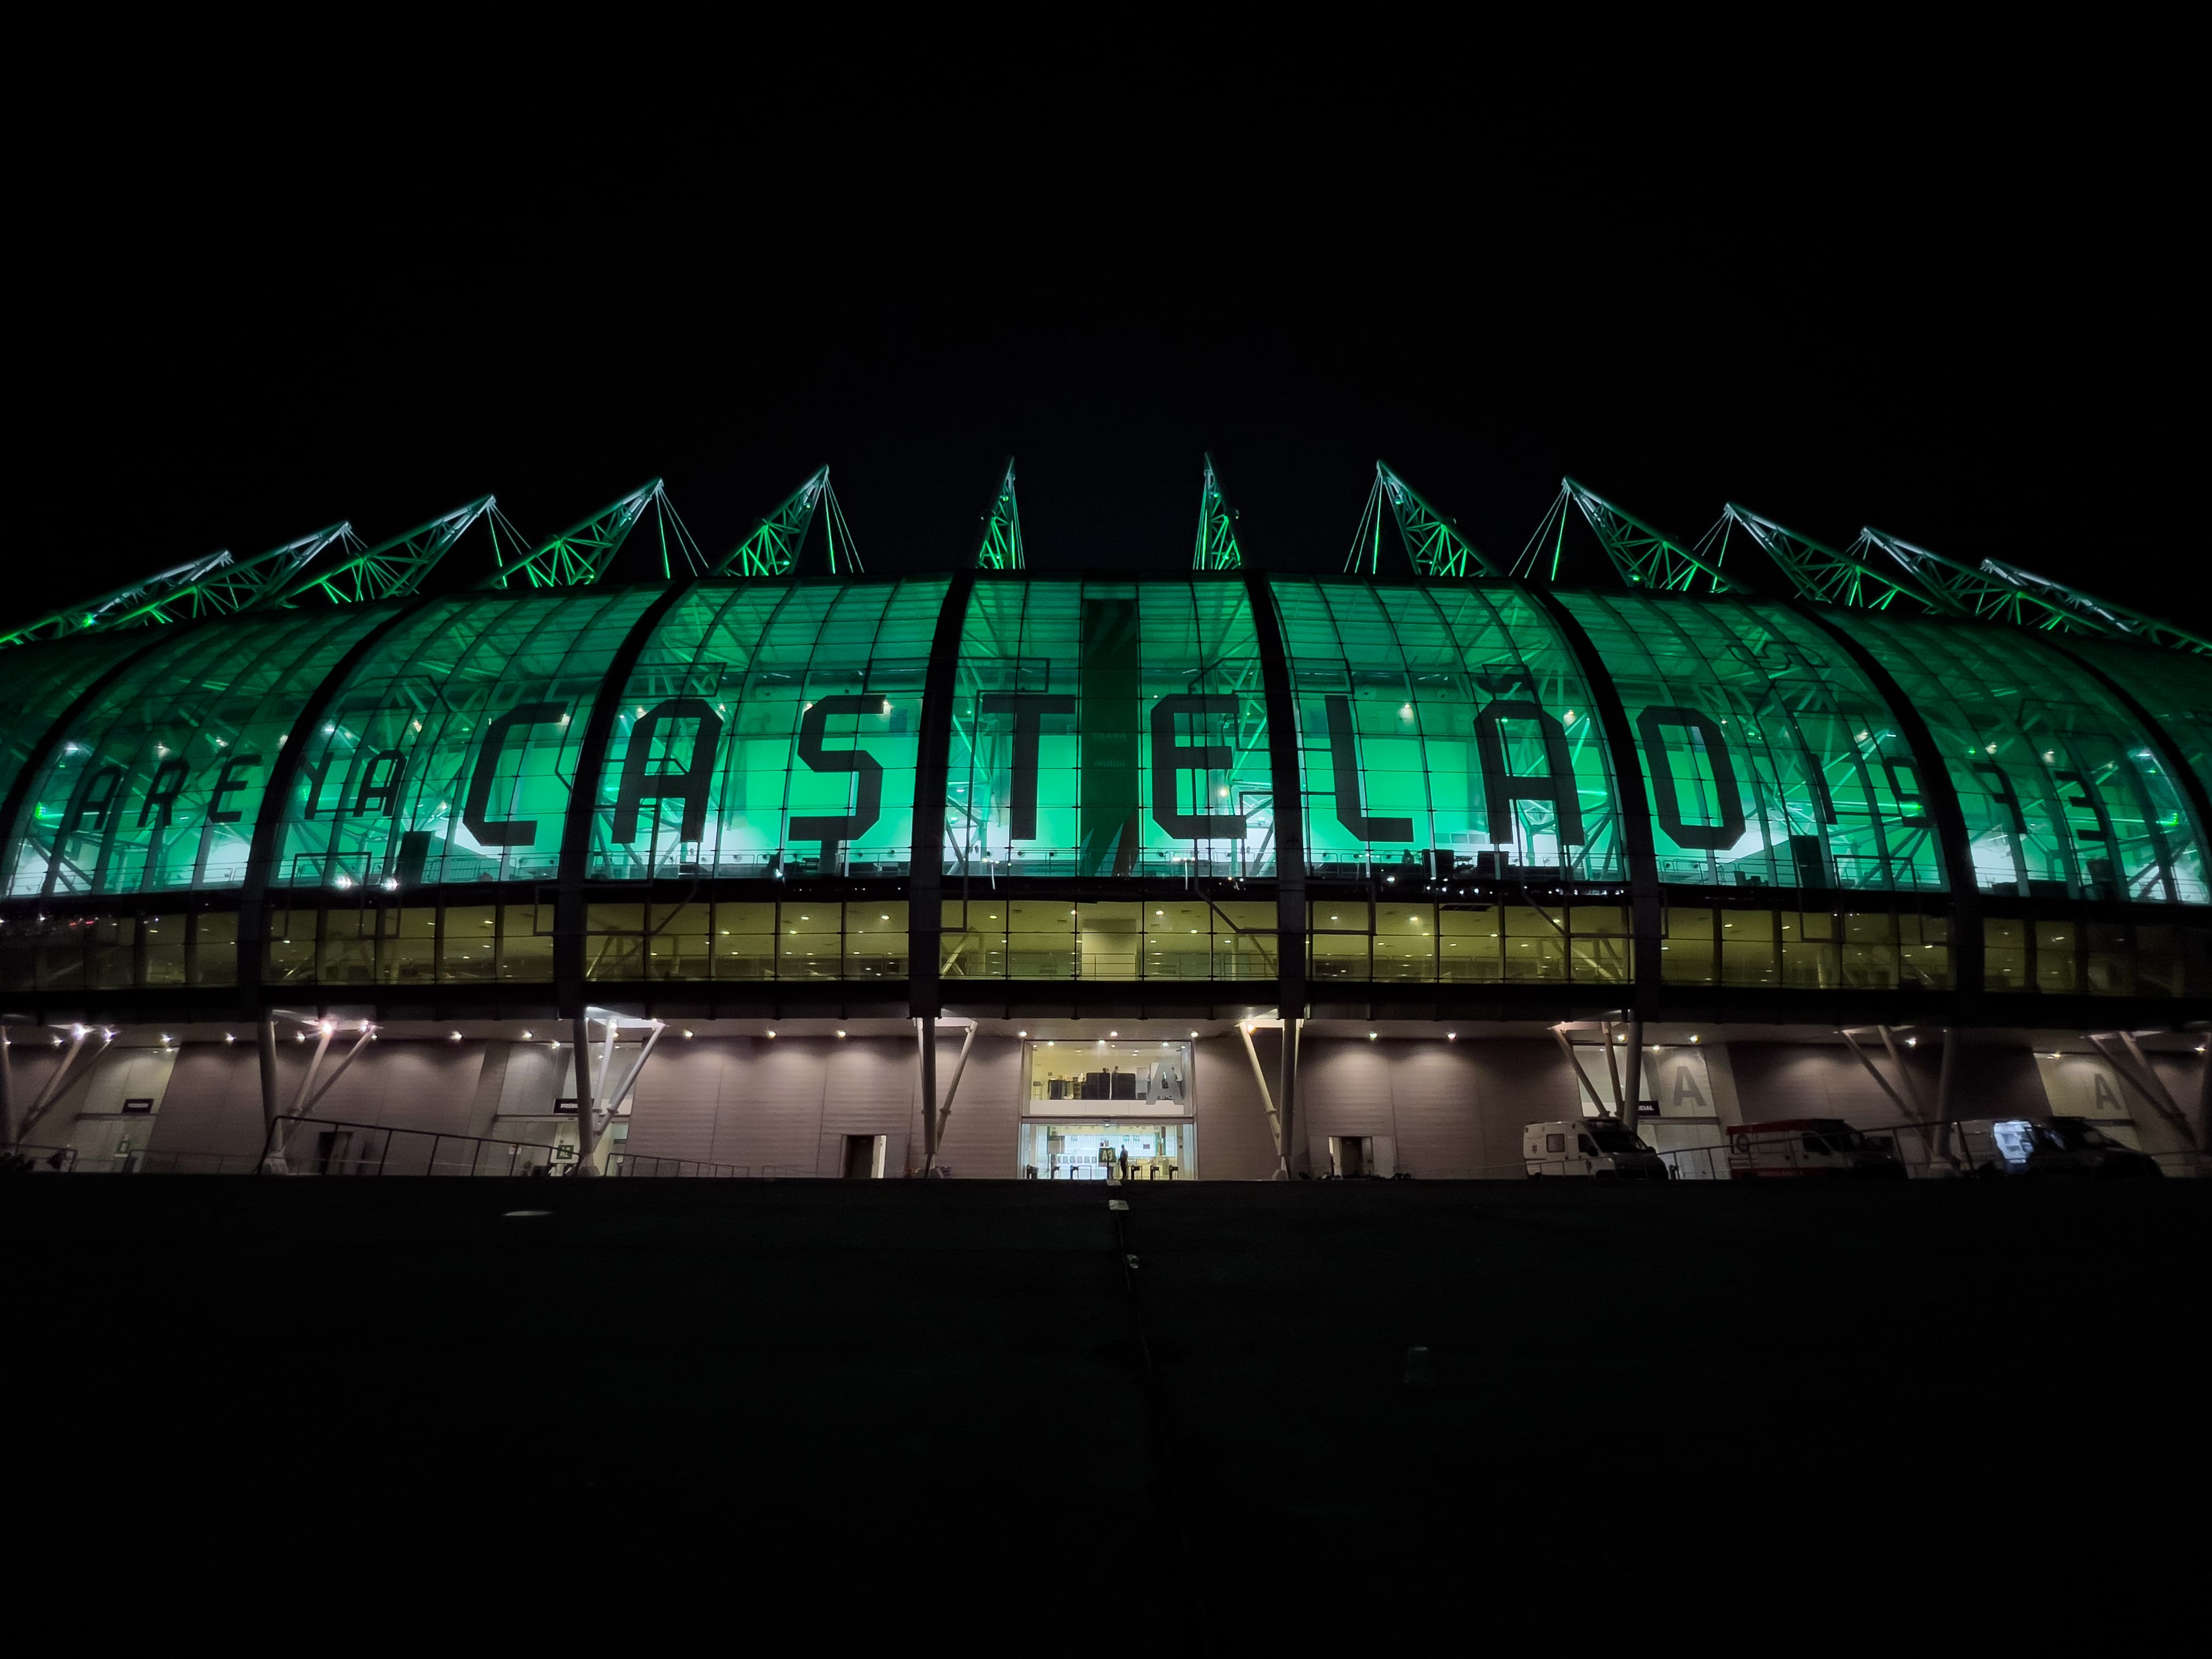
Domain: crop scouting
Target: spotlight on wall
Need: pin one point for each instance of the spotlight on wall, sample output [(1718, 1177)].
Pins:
[(230, 1037), (1371, 1036), (687, 1034), (841, 1034), (1451, 1037), (526, 1036), (1021, 1033), (1113, 1034), (771, 1034), (1693, 1037), (456, 1038), (1911, 1041)]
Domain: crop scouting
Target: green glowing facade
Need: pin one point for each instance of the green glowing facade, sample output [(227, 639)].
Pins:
[(1219, 788)]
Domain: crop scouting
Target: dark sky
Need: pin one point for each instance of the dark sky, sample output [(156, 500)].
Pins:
[(1961, 330)]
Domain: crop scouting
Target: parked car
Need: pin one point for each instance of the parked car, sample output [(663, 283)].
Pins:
[(1598, 1147), (2050, 1146), (1809, 1147)]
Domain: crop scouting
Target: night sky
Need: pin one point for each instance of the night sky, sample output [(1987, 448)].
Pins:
[(1961, 332)]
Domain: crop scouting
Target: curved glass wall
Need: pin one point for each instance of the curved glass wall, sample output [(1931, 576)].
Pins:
[(1452, 720), (158, 787), (770, 729), (1100, 731), (38, 682), (1109, 728), (2174, 690), (448, 754), (1771, 760), (2063, 794)]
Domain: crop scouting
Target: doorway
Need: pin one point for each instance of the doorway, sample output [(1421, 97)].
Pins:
[(1360, 1157), (1107, 1150), (864, 1157)]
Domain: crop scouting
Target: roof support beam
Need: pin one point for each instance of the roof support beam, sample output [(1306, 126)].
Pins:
[(1822, 574), (1433, 542), (1961, 589), (1646, 557), (216, 586), (1217, 548), (771, 548), (390, 570), (999, 547), (580, 555), (2086, 613)]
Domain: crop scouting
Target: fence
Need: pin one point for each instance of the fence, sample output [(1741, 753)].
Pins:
[(342, 1148)]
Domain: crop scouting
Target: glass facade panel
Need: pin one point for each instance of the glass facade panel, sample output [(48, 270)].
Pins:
[(1771, 760), (38, 682), (1109, 729), (1445, 719), (448, 754), (770, 729), (1103, 730), (2175, 690), (2063, 794), (159, 785)]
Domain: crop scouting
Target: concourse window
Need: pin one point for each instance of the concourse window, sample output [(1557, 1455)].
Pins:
[(875, 938), (811, 943), (745, 943), (1769, 760), (1072, 1078), (1108, 729), (975, 941)]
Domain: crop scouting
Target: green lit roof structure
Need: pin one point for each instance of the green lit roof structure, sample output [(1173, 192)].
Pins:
[(737, 786)]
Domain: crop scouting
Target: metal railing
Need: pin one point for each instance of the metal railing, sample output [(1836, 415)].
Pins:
[(340, 1147), (1914, 1145), (644, 1168)]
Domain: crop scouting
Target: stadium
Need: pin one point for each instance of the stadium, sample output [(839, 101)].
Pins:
[(351, 859)]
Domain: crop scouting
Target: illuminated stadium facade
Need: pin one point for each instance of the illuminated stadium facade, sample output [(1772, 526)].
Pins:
[(1781, 829)]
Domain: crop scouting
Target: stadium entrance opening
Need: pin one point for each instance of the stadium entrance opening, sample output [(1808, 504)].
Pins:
[(1106, 1109), (1106, 1151)]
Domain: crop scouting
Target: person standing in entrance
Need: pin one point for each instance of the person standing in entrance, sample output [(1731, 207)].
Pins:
[(1123, 1157)]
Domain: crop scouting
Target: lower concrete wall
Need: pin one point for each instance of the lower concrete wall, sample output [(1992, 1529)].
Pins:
[(784, 1105)]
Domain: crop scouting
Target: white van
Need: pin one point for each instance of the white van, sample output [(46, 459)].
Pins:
[(1599, 1147)]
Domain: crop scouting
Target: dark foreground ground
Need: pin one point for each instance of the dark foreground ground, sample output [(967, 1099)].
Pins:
[(802, 1411)]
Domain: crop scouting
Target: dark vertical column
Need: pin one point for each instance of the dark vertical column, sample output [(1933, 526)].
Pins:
[(577, 825), (2169, 751), (1634, 803), (268, 843), (34, 764), (925, 910), (1290, 840), (1942, 800)]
